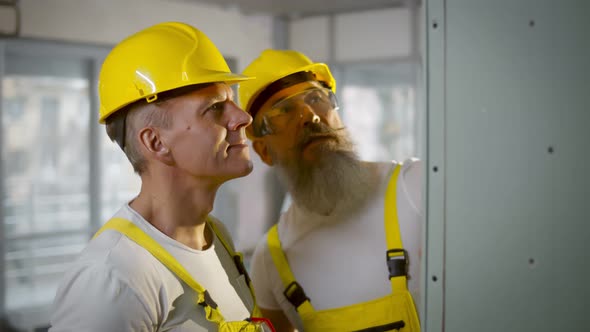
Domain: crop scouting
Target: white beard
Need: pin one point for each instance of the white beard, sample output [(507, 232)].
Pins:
[(336, 183)]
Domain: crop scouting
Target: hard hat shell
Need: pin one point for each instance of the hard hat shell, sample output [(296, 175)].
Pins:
[(273, 65), (160, 58)]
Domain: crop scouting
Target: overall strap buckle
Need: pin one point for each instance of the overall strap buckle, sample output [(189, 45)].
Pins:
[(397, 264), (295, 294), (208, 301), (239, 262)]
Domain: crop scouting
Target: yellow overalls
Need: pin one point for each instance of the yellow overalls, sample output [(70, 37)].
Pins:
[(394, 312), (204, 300)]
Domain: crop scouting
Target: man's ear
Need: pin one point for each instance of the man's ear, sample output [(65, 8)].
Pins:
[(155, 147), (262, 149)]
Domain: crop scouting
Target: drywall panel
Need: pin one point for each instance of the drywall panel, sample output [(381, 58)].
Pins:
[(508, 181)]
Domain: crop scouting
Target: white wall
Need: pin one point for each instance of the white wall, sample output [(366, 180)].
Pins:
[(353, 37), (311, 36), (108, 21)]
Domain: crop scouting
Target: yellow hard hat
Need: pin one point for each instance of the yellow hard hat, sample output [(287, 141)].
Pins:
[(273, 65), (160, 58)]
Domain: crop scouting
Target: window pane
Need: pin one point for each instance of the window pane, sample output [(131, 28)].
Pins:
[(45, 154), (379, 108), (119, 183)]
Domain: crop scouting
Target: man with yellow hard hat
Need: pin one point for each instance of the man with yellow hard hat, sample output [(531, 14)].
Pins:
[(335, 261), (162, 263)]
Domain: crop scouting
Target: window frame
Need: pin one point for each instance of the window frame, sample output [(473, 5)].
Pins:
[(90, 57)]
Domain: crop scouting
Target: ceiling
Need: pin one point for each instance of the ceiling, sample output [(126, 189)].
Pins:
[(294, 8)]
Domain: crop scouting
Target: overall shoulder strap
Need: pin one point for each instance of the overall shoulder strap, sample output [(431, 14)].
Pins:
[(293, 291), (396, 255), (237, 256), (238, 261), (138, 236), (221, 237)]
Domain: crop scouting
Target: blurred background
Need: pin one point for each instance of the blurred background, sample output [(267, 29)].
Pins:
[(61, 175)]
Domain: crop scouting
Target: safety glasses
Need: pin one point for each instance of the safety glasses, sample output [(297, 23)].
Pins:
[(286, 110)]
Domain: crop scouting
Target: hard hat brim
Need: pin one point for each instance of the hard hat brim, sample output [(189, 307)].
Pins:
[(220, 77), (320, 70)]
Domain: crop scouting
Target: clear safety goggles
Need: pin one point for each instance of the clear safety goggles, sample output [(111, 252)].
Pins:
[(285, 110)]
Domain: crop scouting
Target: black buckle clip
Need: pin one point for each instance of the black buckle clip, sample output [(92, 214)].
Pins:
[(295, 294), (241, 268), (397, 264), (208, 301)]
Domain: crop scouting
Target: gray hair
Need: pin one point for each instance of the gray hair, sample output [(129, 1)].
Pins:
[(135, 117)]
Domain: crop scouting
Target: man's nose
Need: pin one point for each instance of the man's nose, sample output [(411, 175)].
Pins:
[(239, 118), (308, 115)]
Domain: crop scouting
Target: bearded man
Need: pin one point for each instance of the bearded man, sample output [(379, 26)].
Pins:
[(335, 260)]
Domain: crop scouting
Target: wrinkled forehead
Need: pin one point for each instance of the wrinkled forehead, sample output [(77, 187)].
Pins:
[(287, 92)]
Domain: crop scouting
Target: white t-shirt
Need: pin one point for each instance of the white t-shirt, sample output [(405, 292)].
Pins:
[(116, 285), (340, 263)]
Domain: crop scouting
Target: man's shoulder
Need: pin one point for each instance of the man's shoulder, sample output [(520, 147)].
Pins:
[(98, 292), (261, 247), (410, 172), (411, 182), (411, 164), (116, 256)]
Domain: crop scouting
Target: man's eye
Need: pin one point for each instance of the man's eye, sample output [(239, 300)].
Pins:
[(216, 107), (314, 97), (285, 108)]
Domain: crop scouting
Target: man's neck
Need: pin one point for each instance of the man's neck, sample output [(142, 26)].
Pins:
[(178, 209)]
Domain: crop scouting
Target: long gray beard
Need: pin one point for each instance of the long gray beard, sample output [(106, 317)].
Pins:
[(337, 182)]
